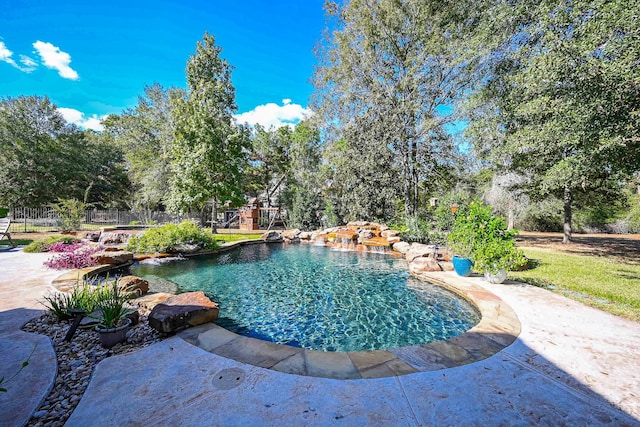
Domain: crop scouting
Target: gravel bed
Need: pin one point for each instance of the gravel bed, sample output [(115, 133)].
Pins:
[(76, 361)]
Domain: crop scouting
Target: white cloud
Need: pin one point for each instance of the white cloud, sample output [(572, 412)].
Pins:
[(29, 63), (6, 56), (54, 58), (76, 117), (275, 115)]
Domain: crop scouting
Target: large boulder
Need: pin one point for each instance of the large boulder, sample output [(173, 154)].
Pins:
[(423, 265), (418, 250), (271, 236), (186, 248), (291, 234), (402, 247), (134, 284), (389, 233), (112, 258), (181, 311), (306, 235)]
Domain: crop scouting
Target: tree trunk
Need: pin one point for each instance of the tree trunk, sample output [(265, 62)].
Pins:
[(567, 215), (407, 184), (511, 219), (214, 217)]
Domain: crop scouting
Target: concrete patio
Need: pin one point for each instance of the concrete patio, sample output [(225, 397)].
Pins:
[(570, 365)]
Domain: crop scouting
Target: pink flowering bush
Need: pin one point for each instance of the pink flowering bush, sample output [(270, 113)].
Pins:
[(65, 247), (79, 256)]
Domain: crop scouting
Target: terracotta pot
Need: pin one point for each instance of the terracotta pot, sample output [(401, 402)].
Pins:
[(113, 336)]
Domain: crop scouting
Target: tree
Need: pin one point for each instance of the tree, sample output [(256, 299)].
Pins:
[(145, 134), (210, 150), (270, 157), (389, 75), (562, 100), (304, 181), (106, 182), (42, 156)]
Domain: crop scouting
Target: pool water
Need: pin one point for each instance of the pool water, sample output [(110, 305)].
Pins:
[(317, 298)]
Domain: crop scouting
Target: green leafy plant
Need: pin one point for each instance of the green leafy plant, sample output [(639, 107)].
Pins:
[(420, 230), (167, 237), (43, 245), (57, 304), (112, 306), (480, 235), (82, 297), (71, 212)]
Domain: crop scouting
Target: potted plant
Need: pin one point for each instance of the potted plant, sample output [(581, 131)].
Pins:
[(493, 247), (113, 323), (461, 241)]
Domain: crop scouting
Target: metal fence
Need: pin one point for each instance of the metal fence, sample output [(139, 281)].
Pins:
[(43, 219)]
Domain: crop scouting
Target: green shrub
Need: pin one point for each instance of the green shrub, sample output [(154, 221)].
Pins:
[(421, 230), (42, 245), (546, 215), (483, 237), (71, 213), (166, 237)]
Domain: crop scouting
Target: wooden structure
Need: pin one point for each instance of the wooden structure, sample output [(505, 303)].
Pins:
[(250, 215)]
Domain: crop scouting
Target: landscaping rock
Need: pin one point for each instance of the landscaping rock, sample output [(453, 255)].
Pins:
[(305, 235), (92, 236), (446, 265), (112, 258), (134, 284), (393, 239), (186, 248), (390, 233), (418, 250), (357, 223), (292, 234), (423, 265), (402, 247), (272, 236), (365, 234), (182, 311), (150, 300)]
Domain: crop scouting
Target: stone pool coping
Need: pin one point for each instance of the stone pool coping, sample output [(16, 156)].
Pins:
[(499, 326)]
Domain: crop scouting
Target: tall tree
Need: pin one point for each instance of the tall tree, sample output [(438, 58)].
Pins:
[(387, 78), (145, 134), (210, 150), (562, 102), (304, 181), (270, 157), (106, 181), (42, 157)]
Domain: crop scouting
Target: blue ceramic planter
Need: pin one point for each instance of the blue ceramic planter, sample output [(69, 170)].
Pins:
[(462, 266)]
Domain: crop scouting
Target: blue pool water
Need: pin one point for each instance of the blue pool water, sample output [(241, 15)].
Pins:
[(317, 298)]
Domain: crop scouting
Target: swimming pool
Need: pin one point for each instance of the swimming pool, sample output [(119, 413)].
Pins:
[(317, 298)]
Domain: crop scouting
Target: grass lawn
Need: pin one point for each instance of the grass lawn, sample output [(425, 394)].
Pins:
[(18, 242), (234, 237), (599, 282)]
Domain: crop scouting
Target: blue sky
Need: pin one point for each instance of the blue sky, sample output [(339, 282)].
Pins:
[(94, 58)]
